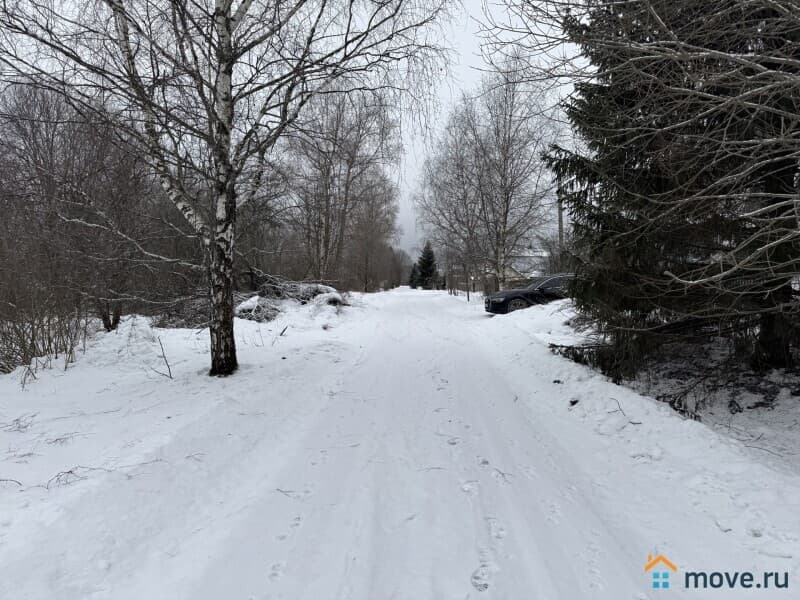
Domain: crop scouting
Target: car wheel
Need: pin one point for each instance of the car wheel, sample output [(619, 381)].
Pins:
[(516, 304)]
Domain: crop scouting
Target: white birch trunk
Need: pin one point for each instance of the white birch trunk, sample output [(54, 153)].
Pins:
[(221, 275)]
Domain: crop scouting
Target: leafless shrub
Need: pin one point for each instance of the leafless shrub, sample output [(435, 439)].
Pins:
[(33, 338)]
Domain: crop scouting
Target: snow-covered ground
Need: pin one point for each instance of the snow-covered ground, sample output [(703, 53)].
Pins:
[(407, 447), (762, 411)]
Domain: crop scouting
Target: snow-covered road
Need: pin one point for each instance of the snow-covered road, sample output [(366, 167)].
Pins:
[(409, 448)]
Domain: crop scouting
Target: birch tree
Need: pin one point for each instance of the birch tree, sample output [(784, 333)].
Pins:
[(208, 88), (449, 202), (486, 188), (511, 130)]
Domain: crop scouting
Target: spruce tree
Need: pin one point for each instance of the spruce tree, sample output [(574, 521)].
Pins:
[(685, 156), (426, 267), (413, 277)]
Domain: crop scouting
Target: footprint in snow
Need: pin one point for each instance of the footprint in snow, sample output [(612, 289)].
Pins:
[(103, 565), (470, 488), (276, 571), (554, 511), (480, 577), (496, 530), (296, 522), (502, 477)]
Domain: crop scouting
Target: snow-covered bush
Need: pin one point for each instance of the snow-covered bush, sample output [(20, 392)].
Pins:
[(294, 290), (258, 308), (331, 298), (261, 308), (194, 311)]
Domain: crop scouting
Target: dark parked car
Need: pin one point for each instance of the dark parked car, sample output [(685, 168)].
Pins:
[(539, 291)]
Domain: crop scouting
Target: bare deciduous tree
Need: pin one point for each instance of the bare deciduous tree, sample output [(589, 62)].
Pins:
[(342, 147), (373, 227), (486, 188)]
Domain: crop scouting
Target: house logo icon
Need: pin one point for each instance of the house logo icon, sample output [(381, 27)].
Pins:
[(659, 568)]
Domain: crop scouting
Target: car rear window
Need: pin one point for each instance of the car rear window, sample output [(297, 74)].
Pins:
[(555, 282), (536, 282), (549, 283)]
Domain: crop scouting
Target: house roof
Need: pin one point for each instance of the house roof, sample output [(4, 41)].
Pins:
[(652, 561)]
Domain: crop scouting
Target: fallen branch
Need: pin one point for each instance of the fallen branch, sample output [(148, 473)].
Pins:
[(275, 339), (778, 454), (611, 412), (166, 362)]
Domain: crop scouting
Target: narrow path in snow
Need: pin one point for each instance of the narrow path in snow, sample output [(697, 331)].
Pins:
[(416, 465)]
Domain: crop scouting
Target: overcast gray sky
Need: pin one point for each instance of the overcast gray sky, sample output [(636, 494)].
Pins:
[(465, 75)]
